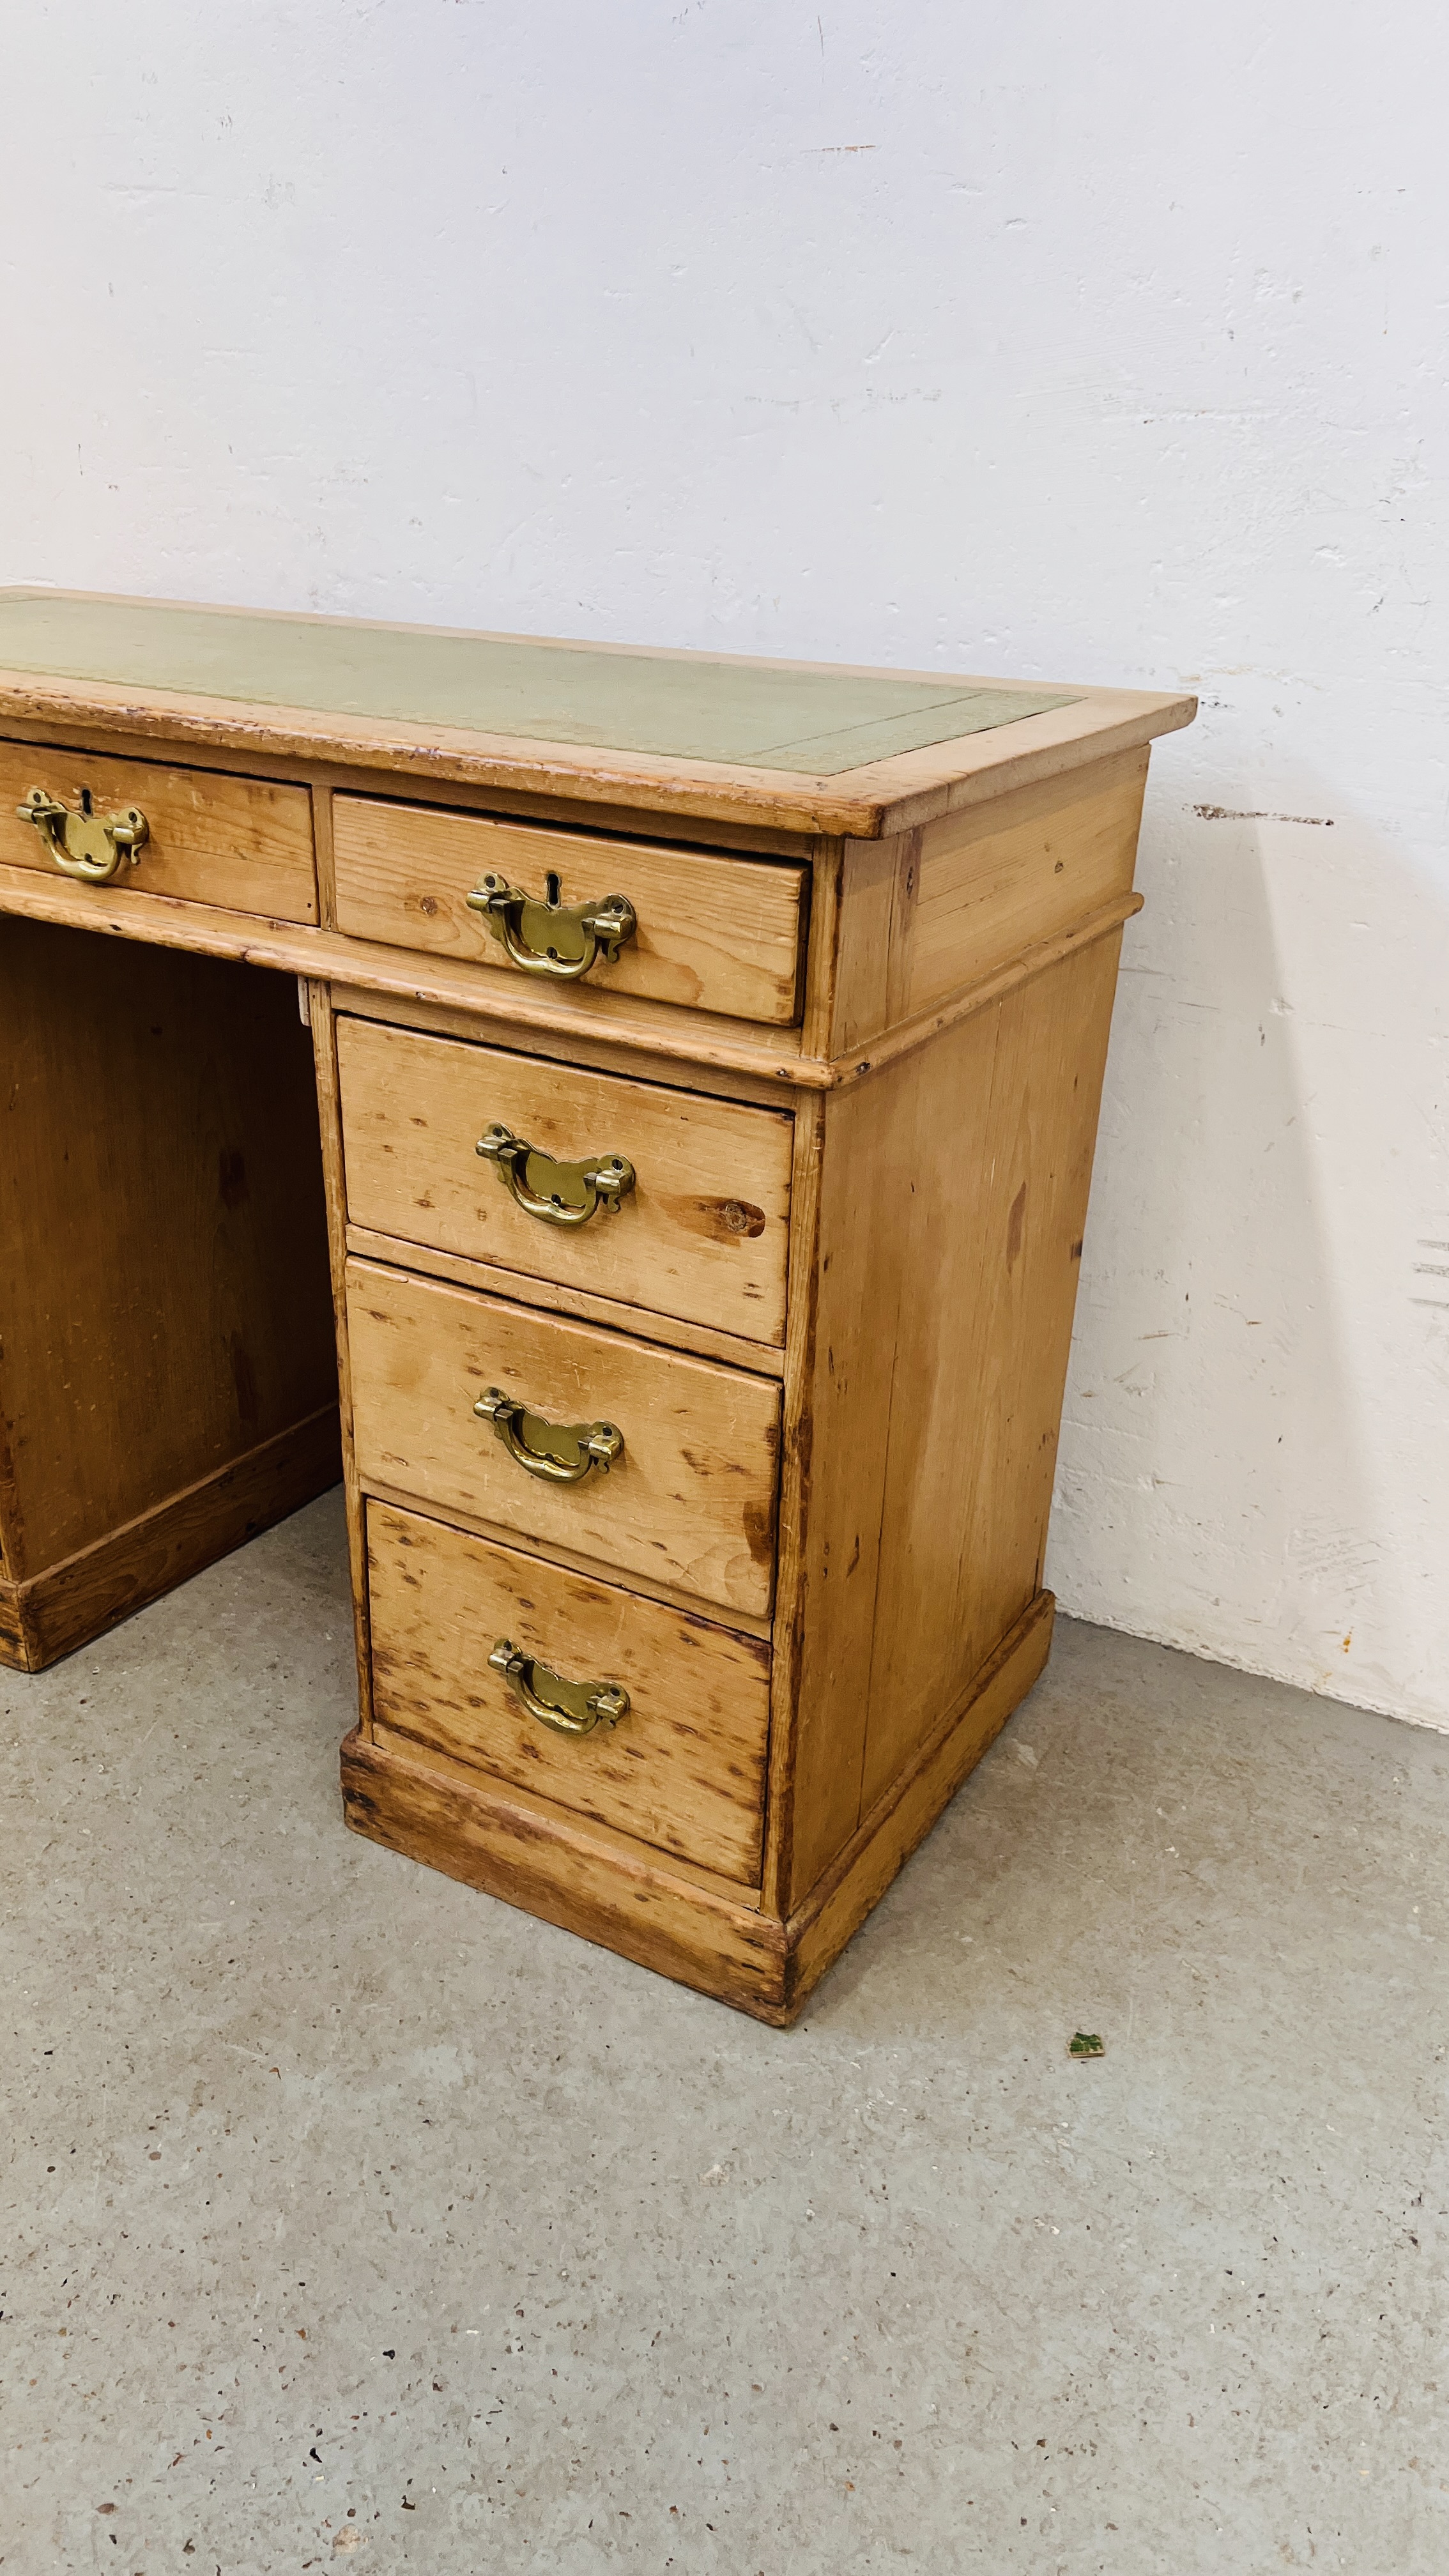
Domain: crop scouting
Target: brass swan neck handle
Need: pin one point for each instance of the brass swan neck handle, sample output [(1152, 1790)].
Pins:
[(559, 1453), (94, 847), (556, 1193), (570, 1708), (545, 936)]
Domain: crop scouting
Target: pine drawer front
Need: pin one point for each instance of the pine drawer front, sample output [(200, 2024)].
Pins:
[(717, 934), (683, 1768), (242, 844), (699, 1231), (690, 1502)]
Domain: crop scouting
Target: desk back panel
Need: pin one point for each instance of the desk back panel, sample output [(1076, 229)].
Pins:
[(163, 1256)]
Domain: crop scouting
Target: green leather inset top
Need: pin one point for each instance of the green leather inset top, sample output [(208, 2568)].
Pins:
[(687, 707)]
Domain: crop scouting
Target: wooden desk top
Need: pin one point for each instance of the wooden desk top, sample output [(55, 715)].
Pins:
[(790, 746)]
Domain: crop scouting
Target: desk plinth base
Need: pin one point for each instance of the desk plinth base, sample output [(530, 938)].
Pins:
[(71, 1603), (548, 1866)]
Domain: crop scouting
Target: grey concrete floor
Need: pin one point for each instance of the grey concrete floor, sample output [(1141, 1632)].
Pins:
[(353, 2217)]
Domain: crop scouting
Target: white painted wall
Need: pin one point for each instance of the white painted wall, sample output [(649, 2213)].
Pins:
[(1066, 342)]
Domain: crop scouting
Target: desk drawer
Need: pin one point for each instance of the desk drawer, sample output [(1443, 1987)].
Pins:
[(720, 934), (699, 1232), (691, 1500), (242, 844), (683, 1768)]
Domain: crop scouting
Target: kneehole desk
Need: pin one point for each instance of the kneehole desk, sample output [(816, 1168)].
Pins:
[(664, 1214)]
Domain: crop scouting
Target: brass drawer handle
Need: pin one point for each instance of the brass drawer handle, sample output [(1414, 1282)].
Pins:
[(562, 1453), (572, 1708), (552, 938), (92, 846), (557, 1193)]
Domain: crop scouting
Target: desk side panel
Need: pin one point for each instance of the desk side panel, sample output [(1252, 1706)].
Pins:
[(954, 1194)]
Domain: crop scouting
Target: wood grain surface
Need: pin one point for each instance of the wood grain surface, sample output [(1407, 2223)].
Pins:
[(702, 1234), (558, 1298), (930, 915), (573, 1873), (691, 1501), (843, 1895), (567, 1871), (661, 1037), (91, 1592), (318, 1003), (840, 1394), (1000, 878), (684, 1769), (647, 1586), (715, 934), (163, 1250), (930, 1396), (242, 843)]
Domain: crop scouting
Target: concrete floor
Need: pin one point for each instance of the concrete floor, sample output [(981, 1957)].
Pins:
[(353, 2217)]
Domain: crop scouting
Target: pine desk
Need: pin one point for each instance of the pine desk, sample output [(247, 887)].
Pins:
[(708, 1056)]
